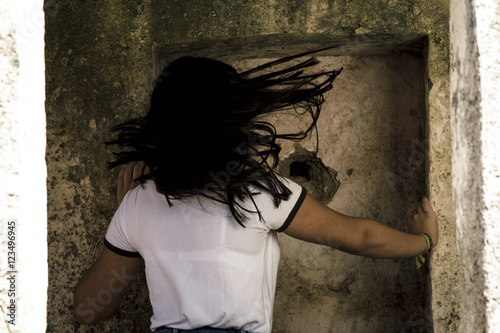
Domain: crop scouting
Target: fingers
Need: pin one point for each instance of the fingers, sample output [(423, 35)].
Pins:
[(426, 205), (128, 177), (131, 171), (137, 171), (120, 179), (424, 220), (127, 173)]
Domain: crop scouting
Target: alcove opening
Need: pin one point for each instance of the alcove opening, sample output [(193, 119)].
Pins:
[(369, 159)]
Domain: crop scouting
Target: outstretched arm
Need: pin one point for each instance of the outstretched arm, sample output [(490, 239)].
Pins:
[(319, 224)]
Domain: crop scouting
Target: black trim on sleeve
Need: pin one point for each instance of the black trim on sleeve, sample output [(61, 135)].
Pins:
[(294, 211), (119, 251)]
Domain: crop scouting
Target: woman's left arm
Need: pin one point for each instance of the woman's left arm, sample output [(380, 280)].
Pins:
[(102, 288)]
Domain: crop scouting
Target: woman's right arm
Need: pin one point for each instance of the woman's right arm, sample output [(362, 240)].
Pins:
[(316, 223)]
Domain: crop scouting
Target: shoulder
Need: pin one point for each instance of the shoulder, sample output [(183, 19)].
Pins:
[(277, 215)]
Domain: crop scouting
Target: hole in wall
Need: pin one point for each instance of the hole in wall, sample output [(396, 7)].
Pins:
[(300, 169), (307, 169)]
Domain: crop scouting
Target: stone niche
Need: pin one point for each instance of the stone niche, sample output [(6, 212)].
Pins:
[(368, 159)]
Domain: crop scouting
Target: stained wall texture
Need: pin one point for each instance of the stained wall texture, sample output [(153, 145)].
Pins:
[(101, 61)]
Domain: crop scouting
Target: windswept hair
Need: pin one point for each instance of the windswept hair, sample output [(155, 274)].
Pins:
[(204, 133)]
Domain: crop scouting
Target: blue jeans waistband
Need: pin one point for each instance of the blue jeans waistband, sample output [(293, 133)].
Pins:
[(164, 329)]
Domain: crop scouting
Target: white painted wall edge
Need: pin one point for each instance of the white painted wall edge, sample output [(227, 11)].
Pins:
[(23, 199), (488, 45), (475, 82)]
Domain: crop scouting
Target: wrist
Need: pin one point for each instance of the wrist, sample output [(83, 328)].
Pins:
[(428, 242), (420, 259)]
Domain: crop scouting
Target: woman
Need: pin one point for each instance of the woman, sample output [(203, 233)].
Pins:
[(205, 218)]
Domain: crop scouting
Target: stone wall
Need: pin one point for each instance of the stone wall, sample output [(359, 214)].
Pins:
[(101, 60)]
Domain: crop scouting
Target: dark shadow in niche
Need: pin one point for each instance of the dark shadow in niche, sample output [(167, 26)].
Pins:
[(306, 168)]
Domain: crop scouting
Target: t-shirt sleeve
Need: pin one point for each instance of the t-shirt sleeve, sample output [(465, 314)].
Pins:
[(116, 238), (279, 218)]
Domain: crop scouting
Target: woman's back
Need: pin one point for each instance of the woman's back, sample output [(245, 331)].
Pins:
[(202, 267)]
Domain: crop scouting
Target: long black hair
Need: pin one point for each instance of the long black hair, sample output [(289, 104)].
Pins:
[(203, 134)]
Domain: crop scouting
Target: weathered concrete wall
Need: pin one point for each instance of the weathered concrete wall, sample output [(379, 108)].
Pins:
[(94, 54), (101, 61), (475, 35)]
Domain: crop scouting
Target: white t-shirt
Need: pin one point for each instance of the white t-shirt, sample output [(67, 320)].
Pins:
[(202, 267)]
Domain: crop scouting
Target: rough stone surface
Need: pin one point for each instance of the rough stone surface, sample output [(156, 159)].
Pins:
[(101, 61), (475, 75)]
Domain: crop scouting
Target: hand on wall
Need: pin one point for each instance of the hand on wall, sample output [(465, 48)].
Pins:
[(424, 221), (128, 178)]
